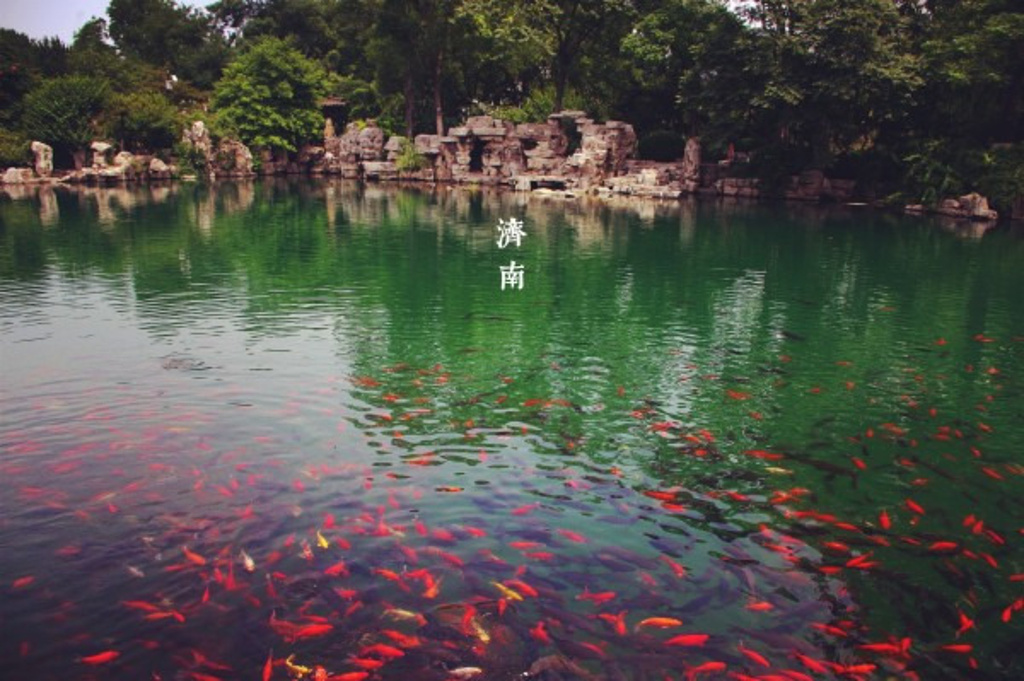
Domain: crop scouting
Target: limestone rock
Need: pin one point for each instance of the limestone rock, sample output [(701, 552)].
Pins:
[(975, 206), (233, 159), (371, 143), (123, 159), (99, 154), (198, 137), (18, 175), (691, 161), (158, 170), (43, 159)]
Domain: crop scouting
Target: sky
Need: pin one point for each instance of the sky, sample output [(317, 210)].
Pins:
[(61, 18)]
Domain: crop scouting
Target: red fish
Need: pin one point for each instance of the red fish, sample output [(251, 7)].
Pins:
[(754, 656), (694, 640), (312, 630), (713, 666), (914, 506), (884, 521), (540, 633), (597, 598), (268, 667), (101, 658)]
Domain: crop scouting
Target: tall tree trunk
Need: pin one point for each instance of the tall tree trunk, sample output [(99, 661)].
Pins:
[(410, 102), (438, 107)]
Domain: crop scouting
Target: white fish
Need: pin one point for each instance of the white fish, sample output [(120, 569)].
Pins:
[(247, 561)]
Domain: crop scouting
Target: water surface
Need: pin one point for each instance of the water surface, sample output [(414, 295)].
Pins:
[(792, 430)]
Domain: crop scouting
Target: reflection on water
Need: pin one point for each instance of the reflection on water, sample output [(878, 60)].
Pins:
[(706, 440)]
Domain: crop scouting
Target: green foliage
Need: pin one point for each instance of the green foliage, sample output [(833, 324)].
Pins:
[(14, 149), (1001, 178), (661, 145), (177, 38), (408, 159), (932, 172), (270, 96), (62, 112), (143, 121), (538, 105), (190, 161)]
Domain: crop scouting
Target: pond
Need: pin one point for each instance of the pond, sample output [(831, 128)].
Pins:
[(297, 429)]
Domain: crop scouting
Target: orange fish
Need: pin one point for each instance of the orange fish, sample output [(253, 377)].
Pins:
[(617, 621), (659, 622), (192, 556)]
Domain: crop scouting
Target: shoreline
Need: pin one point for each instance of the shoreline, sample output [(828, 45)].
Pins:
[(130, 193)]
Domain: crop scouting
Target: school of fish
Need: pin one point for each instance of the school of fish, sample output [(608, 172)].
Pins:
[(473, 557)]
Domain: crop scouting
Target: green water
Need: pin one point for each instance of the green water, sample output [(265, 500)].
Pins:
[(736, 389)]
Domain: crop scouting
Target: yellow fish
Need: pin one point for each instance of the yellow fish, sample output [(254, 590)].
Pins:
[(321, 541), (508, 593)]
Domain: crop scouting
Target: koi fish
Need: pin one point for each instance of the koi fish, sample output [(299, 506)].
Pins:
[(508, 593), (754, 656), (618, 621), (349, 676), (659, 622), (321, 541), (268, 667), (193, 557), (713, 666), (694, 640), (597, 598), (101, 658), (247, 562)]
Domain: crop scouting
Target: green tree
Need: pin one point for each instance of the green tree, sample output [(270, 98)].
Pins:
[(142, 121), (182, 40), (561, 33), (62, 112), (839, 72), (270, 96)]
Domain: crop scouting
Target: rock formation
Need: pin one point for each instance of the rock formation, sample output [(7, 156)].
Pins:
[(43, 163)]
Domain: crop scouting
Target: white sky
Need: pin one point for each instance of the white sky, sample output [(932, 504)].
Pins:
[(61, 18)]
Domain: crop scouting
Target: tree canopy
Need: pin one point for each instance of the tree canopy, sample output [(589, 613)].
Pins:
[(901, 94), (270, 96)]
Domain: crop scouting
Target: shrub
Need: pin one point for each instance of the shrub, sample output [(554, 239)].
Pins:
[(61, 112), (143, 121), (1002, 175), (661, 145), (14, 149), (408, 159)]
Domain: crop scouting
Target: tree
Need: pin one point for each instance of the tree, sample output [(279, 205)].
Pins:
[(270, 96), (62, 112), (142, 121), (561, 32), (180, 39)]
